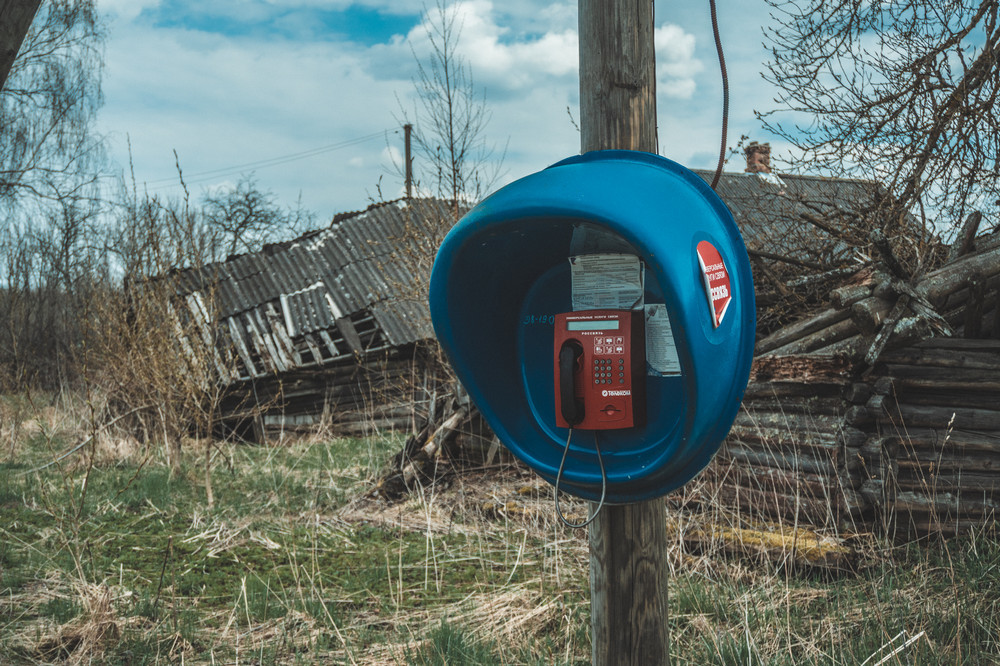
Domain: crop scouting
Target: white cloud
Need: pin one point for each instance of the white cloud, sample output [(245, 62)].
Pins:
[(498, 58), (126, 9), (223, 100), (676, 64)]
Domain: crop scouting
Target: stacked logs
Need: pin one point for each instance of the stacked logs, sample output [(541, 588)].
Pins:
[(875, 310), (934, 457), (885, 406), (794, 449)]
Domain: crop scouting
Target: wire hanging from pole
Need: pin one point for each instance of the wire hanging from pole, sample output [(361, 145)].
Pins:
[(725, 93)]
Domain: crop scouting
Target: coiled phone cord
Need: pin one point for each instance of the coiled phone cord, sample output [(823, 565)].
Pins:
[(604, 483)]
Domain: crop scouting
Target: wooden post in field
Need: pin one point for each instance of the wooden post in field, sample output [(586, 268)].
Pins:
[(15, 19), (408, 168), (628, 543)]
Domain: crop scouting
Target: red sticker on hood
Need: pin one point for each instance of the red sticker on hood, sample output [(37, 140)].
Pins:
[(716, 281)]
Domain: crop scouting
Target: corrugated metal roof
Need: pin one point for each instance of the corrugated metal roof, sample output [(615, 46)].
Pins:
[(362, 268), (770, 210)]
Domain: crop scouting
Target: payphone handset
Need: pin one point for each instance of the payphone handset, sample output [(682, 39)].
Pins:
[(600, 369)]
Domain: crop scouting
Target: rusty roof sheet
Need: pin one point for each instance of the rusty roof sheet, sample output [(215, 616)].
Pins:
[(365, 261)]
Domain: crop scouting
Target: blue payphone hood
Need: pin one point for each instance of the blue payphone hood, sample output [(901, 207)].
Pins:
[(502, 273)]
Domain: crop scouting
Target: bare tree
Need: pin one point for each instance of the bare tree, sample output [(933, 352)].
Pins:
[(244, 217), (49, 164), (48, 149), (902, 91), (451, 115)]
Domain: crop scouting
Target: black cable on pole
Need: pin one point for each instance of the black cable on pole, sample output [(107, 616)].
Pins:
[(725, 93), (604, 483)]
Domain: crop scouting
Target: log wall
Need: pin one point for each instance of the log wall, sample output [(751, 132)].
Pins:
[(395, 390), (793, 452), (881, 411), (934, 453)]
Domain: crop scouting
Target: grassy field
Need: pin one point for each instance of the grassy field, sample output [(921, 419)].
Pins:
[(122, 562)]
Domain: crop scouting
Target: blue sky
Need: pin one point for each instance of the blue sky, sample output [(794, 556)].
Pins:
[(306, 94)]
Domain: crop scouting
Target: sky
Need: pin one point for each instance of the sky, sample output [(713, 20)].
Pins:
[(309, 96)]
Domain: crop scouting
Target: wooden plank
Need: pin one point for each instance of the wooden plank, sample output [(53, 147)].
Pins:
[(328, 341), (236, 335), (936, 285), (841, 510), (267, 340), (956, 398), (791, 460), (266, 361), (819, 340), (794, 422), (797, 404), (350, 335), (966, 236), (921, 479), (918, 359), (974, 308), (313, 349), (958, 344), (775, 479), (924, 416), (812, 369), (276, 321), (948, 378), (785, 437), (777, 390), (847, 295)]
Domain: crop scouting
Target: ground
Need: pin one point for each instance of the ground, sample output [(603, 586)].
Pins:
[(298, 561)]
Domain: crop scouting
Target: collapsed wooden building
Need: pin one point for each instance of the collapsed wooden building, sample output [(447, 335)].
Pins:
[(882, 409), (330, 327), (874, 399)]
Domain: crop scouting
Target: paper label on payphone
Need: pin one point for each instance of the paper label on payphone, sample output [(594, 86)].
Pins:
[(661, 349), (606, 282)]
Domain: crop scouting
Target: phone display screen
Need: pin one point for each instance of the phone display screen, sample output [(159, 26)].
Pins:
[(594, 325)]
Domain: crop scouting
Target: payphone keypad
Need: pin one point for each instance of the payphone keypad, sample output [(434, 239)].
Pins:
[(609, 367)]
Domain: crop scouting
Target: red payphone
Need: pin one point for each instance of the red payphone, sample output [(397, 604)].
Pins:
[(600, 369)]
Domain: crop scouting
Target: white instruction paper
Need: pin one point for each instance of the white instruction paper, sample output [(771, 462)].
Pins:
[(661, 349), (606, 282)]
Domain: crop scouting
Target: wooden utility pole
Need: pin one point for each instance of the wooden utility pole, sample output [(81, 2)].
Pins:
[(628, 543), (408, 169), (15, 19), (617, 75)]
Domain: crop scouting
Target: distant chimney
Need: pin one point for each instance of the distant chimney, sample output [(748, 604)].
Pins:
[(758, 157)]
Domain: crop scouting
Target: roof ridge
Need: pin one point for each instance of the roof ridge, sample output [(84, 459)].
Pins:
[(803, 176)]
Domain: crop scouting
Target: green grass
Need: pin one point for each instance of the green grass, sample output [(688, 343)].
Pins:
[(447, 645), (273, 573)]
